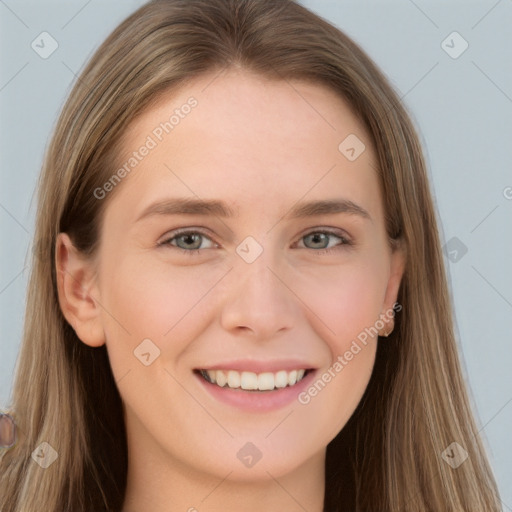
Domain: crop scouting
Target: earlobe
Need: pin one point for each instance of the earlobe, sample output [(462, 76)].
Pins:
[(78, 294)]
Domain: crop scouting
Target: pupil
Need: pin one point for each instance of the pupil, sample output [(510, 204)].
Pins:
[(190, 239), (319, 238)]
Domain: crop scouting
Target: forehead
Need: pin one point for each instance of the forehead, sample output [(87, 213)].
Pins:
[(250, 141)]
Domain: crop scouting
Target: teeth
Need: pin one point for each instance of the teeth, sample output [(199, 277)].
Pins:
[(266, 381), (221, 378), (281, 379), (250, 381), (233, 379)]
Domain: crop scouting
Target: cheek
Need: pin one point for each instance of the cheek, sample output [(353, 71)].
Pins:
[(336, 391), (156, 301), (347, 304), (347, 300)]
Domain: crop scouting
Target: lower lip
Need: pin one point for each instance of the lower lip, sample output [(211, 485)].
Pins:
[(257, 401)]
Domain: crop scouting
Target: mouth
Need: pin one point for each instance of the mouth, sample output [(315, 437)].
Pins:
[(255, 382)]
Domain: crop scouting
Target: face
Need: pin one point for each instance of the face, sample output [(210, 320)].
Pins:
[(243, 239)]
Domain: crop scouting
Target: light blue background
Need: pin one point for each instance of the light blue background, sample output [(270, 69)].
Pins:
[(463, 110)]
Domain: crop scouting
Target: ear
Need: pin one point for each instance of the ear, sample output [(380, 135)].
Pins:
[(78, 293), (397, 268)]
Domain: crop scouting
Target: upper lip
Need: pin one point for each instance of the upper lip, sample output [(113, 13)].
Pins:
[(251, 365)]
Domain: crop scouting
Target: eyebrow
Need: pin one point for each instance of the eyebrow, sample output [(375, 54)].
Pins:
[(189, 206), (326, 207)]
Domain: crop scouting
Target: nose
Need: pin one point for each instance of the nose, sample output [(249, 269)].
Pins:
[(259, 301)]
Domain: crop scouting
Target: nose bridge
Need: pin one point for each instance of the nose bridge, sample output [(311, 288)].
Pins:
[(259, 301), (253, 261), (256, 278), (257, 275)]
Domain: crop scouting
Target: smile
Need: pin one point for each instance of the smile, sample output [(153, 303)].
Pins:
[(250, 381)]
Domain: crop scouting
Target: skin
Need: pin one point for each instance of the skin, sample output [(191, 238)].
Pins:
[(259, 146)]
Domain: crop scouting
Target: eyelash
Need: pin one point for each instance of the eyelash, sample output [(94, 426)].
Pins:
[(193, 252)]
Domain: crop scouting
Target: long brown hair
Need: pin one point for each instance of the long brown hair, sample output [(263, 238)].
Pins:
[(388, 456)]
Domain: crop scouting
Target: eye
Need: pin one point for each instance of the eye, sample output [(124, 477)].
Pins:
[(324, 240), (188, 241), (193, 241)]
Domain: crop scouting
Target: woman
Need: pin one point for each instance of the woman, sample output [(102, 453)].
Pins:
[(190, 342)]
